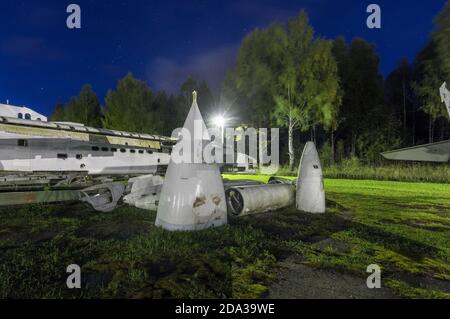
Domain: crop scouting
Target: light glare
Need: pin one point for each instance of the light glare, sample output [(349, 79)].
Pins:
[(219, 121)]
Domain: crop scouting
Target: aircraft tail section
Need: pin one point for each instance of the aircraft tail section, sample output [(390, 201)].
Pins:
[(445, 96)]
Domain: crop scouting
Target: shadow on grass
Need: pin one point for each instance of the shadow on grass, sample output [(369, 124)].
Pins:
[(311, 228), (114, 250)]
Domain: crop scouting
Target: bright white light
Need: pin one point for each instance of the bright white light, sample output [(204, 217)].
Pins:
[(219, 121)]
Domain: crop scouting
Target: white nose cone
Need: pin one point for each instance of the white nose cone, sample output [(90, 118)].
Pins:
[(192, 196), (310, 195)]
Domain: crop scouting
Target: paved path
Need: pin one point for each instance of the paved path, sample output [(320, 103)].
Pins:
[(296, 280)]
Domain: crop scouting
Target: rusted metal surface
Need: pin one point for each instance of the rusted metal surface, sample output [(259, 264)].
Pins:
[(199, 201), (20, 198), (30, 181)]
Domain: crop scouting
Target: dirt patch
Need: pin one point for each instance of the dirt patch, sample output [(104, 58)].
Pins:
[(186, 279), (295, 280), (15, 237), (427, 207), (43, 236), (96, 280), (330, 243), (425, 282), (441, 228), (113, 230)]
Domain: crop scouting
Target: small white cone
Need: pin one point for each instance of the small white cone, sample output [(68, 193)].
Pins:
[(310, 195), (192, 196)]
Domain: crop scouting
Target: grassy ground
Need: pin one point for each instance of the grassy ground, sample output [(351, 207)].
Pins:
[(393, 172), (403, 227), (403, 172)]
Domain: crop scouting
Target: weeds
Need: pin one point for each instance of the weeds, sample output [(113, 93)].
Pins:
[(408, 172)]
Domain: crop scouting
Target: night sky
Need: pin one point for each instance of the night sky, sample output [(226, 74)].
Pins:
[(42, 62)]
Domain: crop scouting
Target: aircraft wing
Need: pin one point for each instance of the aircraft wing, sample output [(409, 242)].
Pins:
[(433, 152)]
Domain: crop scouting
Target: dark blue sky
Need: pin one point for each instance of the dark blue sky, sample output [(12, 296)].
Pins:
[(43, 62)]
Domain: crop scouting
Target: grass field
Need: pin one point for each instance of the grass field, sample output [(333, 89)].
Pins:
[(403, 227), (401, 172)]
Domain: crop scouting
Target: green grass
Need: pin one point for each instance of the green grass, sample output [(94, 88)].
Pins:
[(408, 172), (439, 173), (403, 227), (123, 255)]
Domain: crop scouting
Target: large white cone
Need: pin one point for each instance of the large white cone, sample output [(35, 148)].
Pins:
[(192, 196), (310, 195)]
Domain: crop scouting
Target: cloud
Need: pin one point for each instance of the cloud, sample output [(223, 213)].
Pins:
[(211, 66), (30, 48)]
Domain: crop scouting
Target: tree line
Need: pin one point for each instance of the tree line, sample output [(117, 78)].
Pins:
[(133, 106), (328, 91)]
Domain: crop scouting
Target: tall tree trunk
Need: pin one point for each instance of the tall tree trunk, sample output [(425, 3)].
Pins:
[(291, 144), (332, 147), (314, 134), (353, 150), (290, 133), (430, 131), (404, 106)]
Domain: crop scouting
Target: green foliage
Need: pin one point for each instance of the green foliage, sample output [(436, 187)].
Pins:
[(130, 107), (325, 154), (170, 110), (353, 169), (285, 75), (371, 144), (364, 117), (441, 36), (58, 114), (431, 74), (402, 99), (84, 108), (283, 71), (206, 101), (258, 65), (433, 68), (340, 151)]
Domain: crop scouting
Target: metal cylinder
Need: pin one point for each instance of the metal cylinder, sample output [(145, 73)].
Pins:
[(252, 199), (281, 180), (240, 182)]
